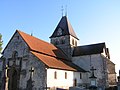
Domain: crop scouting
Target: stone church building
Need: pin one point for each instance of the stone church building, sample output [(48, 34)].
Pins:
[(28, 63)]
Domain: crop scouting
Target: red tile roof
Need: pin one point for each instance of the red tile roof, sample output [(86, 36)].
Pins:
[(41, 46), (52, 62), (46, 52)]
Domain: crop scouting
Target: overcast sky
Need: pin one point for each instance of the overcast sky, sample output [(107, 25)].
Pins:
[(94, 21)]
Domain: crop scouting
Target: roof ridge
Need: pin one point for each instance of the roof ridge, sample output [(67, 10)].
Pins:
[(71, 32), (48, 61), (48, 55), (41, 46), (33, 36), (89, 49), (92, 44)]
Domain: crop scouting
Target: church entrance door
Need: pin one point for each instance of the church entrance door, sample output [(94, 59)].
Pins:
[(13, 79)]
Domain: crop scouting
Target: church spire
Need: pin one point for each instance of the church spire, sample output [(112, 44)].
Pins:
[(66, 28), (64, 36)]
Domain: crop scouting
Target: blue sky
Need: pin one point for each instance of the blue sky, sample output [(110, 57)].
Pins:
[(94, 21)]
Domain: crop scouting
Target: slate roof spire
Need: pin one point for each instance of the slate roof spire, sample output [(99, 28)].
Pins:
[(65, 25)]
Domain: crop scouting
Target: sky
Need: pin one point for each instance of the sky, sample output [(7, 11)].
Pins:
[(94, 21)]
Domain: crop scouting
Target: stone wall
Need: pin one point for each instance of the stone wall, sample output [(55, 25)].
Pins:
[(111, 73), (23, 63), (39, 74), (65, 43), (99, 63)]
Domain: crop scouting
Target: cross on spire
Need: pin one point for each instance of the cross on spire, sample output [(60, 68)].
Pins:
[(62, 10), (66, 10)]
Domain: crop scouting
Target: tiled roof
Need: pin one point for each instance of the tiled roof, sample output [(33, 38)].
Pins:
[(41, 46), (65, 25), (79, 69), (89, 49), (46, 52), (52, 62)]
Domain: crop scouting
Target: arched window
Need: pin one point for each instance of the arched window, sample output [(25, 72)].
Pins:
[(15, 54), (65, 75), (63, 41), (75, 82), (80, 75), (73, 41), (55, 75), (13, 79)]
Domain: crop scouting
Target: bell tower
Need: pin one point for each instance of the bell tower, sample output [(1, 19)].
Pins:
[(64, 36)]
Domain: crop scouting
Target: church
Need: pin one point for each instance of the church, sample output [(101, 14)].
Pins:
[(29, 63)]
